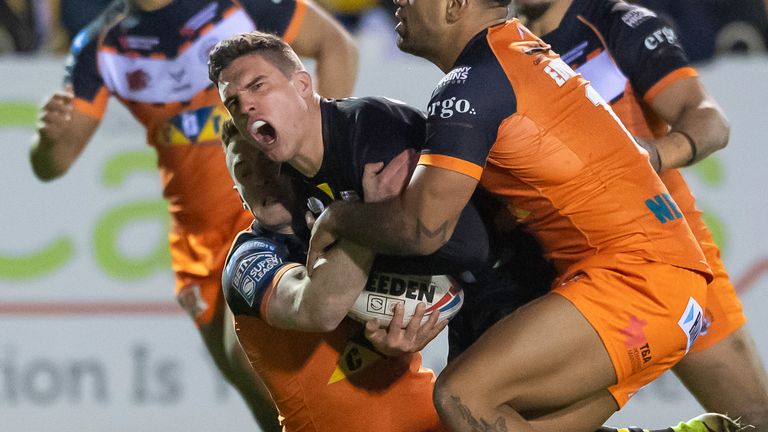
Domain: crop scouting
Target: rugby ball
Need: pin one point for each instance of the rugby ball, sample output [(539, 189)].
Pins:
[(384, 290)]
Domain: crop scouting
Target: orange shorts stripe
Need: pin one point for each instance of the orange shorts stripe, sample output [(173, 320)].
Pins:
[(683, 72), (452, 164), (660, 314), (298, 19)]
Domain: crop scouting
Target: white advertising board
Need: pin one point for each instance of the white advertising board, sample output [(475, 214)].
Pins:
[(91, 337)]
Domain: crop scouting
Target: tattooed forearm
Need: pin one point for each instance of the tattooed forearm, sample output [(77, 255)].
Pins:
[(422, 232), (480, 425)]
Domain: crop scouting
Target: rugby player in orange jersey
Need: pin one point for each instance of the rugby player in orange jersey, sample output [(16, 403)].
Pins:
[(321, 371), (631, 288), (152, 56), (634, 59)]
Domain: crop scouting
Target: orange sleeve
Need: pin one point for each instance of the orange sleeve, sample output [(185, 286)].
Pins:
[(93, 109), (452, 164), (683, 72), (298, 19), (269, 292)]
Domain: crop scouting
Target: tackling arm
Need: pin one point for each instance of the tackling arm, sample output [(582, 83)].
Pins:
[(418, 222), (318, 304)]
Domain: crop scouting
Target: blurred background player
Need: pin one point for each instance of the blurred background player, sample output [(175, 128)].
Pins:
[(323, 373), (152, 56), (657, 94)]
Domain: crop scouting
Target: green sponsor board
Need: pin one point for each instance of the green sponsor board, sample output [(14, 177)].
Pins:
[(58, 252)]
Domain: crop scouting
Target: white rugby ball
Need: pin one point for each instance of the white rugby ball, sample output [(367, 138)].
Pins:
[(384, 290)]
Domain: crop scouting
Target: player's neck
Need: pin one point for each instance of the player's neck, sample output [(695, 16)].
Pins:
[(467, 28), (551, 19), (309, 157), (150, 5)]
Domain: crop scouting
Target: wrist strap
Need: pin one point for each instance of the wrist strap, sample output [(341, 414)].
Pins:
[(691, 143)]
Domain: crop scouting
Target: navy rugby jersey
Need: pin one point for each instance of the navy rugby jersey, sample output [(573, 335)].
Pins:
[(155, 63), (627, 52), (358, 131)]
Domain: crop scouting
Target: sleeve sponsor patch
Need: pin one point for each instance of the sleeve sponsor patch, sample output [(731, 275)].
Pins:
[(637, 16), (254, 274)]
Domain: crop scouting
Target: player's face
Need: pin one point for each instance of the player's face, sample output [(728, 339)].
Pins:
[(266, 106), (261, 187), (420, 24)]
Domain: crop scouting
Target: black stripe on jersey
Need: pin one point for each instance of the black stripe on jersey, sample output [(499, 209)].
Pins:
[(464, 115)]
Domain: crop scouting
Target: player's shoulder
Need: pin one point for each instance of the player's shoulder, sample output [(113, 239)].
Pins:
[(377, 107), (89, 36), (252, 240)]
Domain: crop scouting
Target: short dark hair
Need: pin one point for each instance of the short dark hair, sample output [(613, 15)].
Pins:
[(228, 132), (271, 47)]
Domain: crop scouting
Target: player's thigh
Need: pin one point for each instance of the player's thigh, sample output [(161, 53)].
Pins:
[(545, 355), (728, 377)]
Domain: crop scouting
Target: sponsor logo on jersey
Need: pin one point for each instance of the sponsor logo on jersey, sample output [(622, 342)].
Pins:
[(664, 208), (199, 19), (446, 108), (660, 36), (353, 359), (264, 263), (638, 348), (137, 80), (637, 16), (114, 64), (691, 322), (196, 126), (145, 43), (456, 76)]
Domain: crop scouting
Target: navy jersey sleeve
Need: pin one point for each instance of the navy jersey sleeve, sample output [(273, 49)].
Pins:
[(272, 16), (82, 71), (645, 46), (466, 110), (249, 272)]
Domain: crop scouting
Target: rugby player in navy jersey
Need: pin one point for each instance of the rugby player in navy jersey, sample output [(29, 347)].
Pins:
[(633, 58), (326, 143), (152, 56)]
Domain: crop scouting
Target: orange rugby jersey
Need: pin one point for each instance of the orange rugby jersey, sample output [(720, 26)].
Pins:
[(629, 55), (514, 116), (155, 63), (332, 381)]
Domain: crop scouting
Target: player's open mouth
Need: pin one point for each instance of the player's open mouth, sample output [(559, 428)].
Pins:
[(263, 132)]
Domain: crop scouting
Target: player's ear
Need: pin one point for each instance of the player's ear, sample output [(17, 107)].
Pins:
[(455, 9), (303, 83)]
